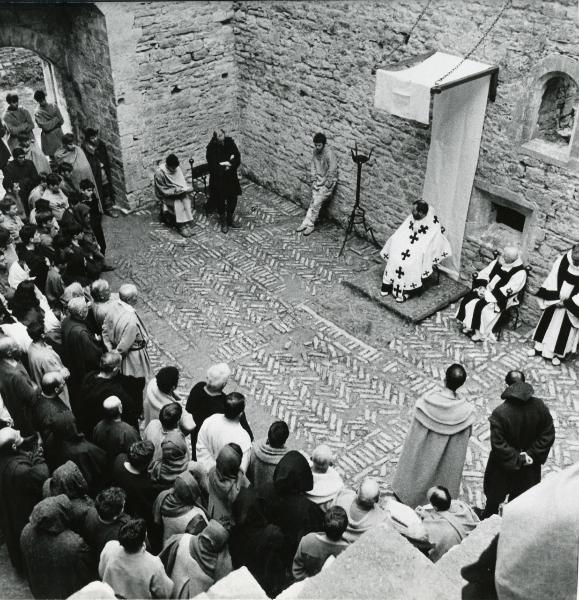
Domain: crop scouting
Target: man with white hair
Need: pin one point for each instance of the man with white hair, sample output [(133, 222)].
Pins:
[(22, 473), (362, 508), (80, 351), (495, 289), (207, 398), (16, 388), (124, 332), (327, 481), (111, 433)]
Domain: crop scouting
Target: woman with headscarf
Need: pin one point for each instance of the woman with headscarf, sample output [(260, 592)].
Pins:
[(173, 460), (175, 508), (58, 561), (257, 544), (196, 562), (68, 480), (226, 479), (65, 443), (286, 505)]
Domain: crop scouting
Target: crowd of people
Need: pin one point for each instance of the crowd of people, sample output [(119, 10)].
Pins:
[(107, 475)]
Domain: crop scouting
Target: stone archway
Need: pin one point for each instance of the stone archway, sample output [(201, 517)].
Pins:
[(73, 39)]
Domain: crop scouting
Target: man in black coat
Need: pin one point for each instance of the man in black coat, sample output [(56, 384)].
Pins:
[(22, 473), (522, 433), (22, 171), (223, 159)]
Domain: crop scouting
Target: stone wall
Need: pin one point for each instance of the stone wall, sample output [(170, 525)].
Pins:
[(309, 66), (173, 64), (74, 39), (20, 68)]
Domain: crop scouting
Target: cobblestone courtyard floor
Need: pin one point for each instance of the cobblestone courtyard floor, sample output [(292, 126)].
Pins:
[(305, 349)]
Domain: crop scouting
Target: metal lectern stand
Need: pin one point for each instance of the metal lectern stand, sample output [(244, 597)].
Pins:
[(358, 215)]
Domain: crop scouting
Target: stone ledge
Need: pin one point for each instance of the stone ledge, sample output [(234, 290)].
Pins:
[(382, 564), (469, 549)]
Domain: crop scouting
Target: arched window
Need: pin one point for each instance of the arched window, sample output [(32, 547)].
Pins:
[(549, 112)]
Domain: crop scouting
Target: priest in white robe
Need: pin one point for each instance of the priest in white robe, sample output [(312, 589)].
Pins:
[(412, 251), (557, 332), (495, 289)]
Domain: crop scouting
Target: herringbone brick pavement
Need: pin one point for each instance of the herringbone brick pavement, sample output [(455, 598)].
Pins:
[(303, 349)]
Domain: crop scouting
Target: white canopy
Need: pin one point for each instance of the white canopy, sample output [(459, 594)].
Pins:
[(406, 93)]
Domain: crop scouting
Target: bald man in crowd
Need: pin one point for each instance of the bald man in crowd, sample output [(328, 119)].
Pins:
[(125, 332), (327, 481), (495, 289), (362, 508), (112, 434)]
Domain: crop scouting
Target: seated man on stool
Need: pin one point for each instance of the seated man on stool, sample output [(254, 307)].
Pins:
[(494, 290), (412, 251), (172, 191)]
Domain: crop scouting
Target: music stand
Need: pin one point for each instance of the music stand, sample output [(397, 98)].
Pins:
[(358, 214)]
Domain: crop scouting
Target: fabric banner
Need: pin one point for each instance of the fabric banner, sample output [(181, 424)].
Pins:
[(406, 93), (457, 124)]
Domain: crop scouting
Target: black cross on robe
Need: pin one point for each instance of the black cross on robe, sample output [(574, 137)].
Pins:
[(399, 272), (423, 229), (413, 238), (405, 254)]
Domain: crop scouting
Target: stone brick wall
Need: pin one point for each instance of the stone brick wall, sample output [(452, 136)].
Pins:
[(308, 66), (19, 67), (173, 65), (74, 39)]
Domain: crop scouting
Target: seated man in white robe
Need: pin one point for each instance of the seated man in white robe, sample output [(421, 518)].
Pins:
[(412, 251), (557, 333), (447, 522), (494, 290), (172, 191)]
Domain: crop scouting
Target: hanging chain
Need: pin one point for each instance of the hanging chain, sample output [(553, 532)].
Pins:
[(476, 46), (408, 35)]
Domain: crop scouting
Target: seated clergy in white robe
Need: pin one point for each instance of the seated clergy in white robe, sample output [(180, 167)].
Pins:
[(557, 333), (412, 251), (494, 289)]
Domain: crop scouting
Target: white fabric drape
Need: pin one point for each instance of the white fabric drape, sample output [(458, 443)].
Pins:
[(457, 123)]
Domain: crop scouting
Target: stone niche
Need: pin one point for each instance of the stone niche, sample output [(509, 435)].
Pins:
[(498, 217), (549, 120)]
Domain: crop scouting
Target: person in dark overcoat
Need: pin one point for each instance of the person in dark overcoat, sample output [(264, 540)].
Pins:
[(522, 433), (223, 159)]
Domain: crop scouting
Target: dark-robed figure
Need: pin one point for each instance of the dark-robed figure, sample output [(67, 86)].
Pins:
[(223, 159), (58, 561), (257, 544), (286, 505), (522, 434), (22, 474)]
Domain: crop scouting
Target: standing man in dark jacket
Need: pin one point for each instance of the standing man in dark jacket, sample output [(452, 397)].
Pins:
[(522, 433), (223, 159)]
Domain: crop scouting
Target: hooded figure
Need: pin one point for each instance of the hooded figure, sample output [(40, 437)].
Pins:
[(175, 508), (522, 424), (434, 451), (68, 480), (174, 458), (22, 473), (257, 544), (196, 562), (286, 505), (58, 561), (65, 443), (225, 481)]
